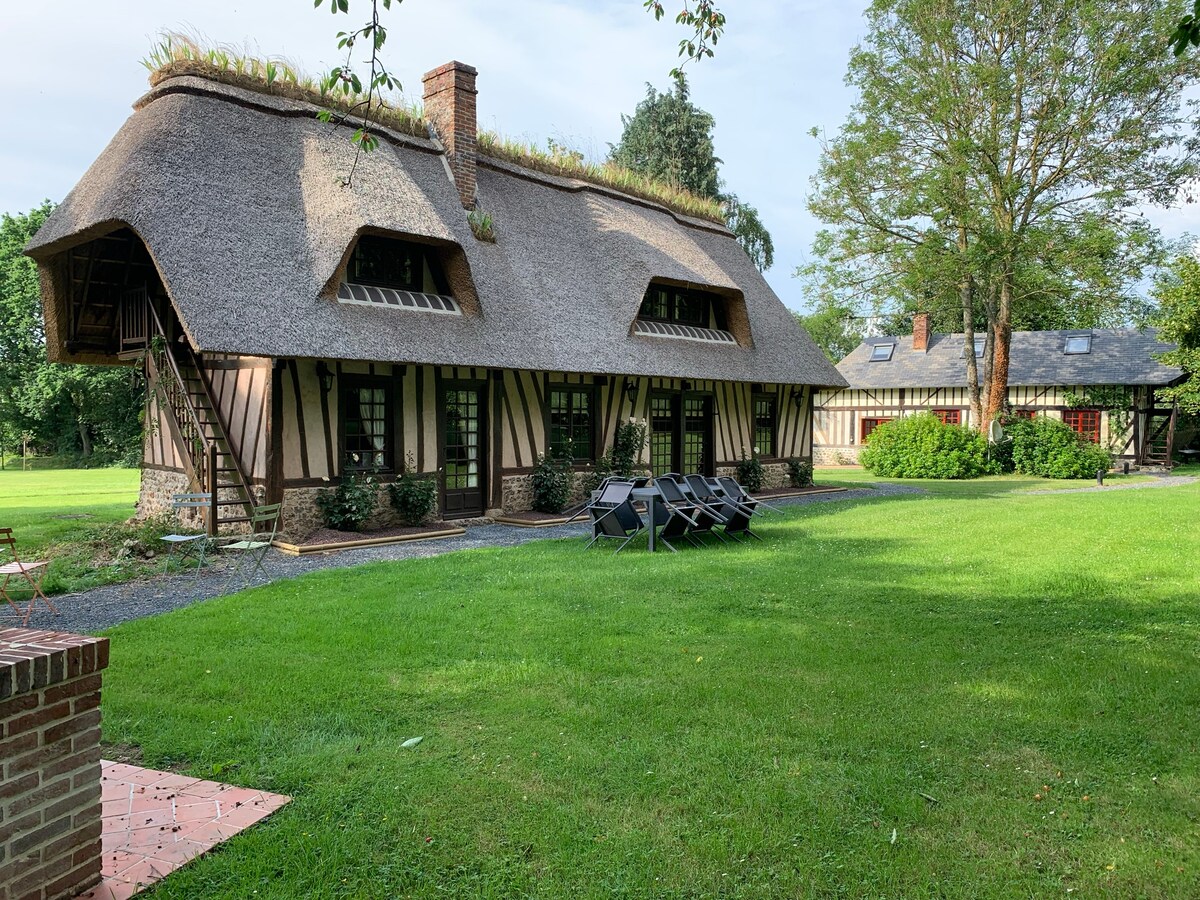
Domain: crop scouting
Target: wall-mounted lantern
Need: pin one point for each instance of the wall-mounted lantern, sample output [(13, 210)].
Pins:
[(325, 376)]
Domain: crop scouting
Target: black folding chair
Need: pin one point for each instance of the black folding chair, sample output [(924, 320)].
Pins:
[(735, 491), (613, 515), (685, 518), (734, 513)]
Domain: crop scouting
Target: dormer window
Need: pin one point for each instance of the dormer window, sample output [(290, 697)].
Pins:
[(680, 306), (1078, 343), (882, 352), (394, 273)]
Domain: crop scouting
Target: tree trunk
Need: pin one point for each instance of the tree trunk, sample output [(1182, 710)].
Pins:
[(1002, 329), (966, 293), (85, 438)]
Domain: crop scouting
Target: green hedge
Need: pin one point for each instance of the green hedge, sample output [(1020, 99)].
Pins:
[(922, 446), (1048, 448)]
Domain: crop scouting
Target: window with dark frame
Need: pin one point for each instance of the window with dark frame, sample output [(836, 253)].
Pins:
[(949, 416), (570, 423), (387, 262), (866, 426), (1085, 422), (1078, 344), (1024, 413), (765, 424), (882, 352), (681, 306), (366, 407), (662, 433)]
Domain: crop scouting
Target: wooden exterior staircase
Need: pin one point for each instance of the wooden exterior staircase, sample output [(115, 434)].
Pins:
[(181, 385), (1159, 442)]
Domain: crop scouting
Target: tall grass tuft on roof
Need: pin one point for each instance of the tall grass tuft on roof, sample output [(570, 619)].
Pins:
[(183, 54), (559, 160)]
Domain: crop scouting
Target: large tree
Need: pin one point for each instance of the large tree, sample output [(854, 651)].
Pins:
[(1178, 316), (90, 411), (995, 158), (834, 327), (670, 139)]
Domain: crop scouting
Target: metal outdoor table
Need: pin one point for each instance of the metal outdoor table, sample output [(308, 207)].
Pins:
[(648, 495)]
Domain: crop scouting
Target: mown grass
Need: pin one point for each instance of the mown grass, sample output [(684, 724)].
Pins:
[(986, 486), (952, 696), (73, 517)]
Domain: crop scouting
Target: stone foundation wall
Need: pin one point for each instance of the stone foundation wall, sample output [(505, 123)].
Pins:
[(301, 516), (775, 475), (50, 812), (157, 488), (835, 456)]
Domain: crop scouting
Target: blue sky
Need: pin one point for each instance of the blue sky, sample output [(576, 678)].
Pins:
[(547, 68)]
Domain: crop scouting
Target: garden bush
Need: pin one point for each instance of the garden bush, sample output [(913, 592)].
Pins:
[(922, 446), (348, 506), (800, 472), (413, 496), (551, 484), (1048, 448), (750, 473)]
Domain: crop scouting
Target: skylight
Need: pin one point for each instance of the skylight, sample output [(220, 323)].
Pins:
[(979, 345), (882, 352), (1078, 343)]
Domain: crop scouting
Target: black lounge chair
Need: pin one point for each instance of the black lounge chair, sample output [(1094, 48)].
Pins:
[(735, 514), (685, 516), (735, 491), (613, 515)]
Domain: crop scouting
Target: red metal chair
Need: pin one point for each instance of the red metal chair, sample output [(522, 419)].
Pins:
[(29, 577)]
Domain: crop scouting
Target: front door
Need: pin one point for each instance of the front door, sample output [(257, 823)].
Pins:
[(463, 446), (681, 433)]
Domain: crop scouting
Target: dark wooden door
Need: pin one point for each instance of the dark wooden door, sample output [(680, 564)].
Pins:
[(696, 445), (464, 450), (681, 433)]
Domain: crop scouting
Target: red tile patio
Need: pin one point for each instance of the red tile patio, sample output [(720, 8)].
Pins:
[(154, 822)]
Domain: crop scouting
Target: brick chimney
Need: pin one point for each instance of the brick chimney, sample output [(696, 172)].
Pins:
[(921, 332), (450, 108)]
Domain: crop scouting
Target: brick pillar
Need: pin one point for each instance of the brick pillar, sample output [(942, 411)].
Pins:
[(50, 762), (921, 332), (450, 108)]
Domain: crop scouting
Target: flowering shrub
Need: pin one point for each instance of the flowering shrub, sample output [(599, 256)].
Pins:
[(349, 505)]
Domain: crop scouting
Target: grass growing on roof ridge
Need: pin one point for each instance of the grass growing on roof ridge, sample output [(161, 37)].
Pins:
[(182, 54), (569, 164), (950, 696)]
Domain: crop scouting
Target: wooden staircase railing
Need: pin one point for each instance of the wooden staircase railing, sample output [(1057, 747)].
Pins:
[(185, 392), (1160, 437)]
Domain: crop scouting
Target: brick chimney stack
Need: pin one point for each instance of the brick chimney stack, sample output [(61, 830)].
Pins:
[(921, 332), (450, 108)]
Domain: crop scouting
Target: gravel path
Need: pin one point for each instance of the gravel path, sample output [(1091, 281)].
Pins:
[(1161, 481), (99, 608)]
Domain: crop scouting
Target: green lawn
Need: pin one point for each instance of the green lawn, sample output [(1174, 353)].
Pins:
[(986, 486), (945, 695), (73, 517)]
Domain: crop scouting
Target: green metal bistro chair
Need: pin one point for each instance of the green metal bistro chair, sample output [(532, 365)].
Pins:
[(185, 546), (264, 522)]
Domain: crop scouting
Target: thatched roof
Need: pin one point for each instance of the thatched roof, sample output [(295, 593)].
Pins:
[(1118, 356), (237, 196)]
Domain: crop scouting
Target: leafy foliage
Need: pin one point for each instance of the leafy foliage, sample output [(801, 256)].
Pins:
[(1178, 296), (669, 139), (922, 446), (1048, 448), (552, 479), (833, 327), (1187, 32), (412, 495), (706, 21), (750, 472), (89, 413), (991, 166), (348, 506), (800, 472), (626, 452)]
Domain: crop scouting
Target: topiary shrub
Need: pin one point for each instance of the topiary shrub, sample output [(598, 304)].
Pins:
[(799, 472), (922, 446), (1048, 448), (551, 484), (413, 496), (349, 505), (627, 448), (750, 473)]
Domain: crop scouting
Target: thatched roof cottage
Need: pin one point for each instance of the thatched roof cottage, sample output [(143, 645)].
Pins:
[(295, 329)]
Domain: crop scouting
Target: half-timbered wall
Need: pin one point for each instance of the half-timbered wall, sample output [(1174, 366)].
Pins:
[(838, 414), (240, 387)]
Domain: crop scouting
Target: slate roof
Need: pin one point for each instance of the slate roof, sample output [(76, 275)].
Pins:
[(237, 197), (1119, 356)]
